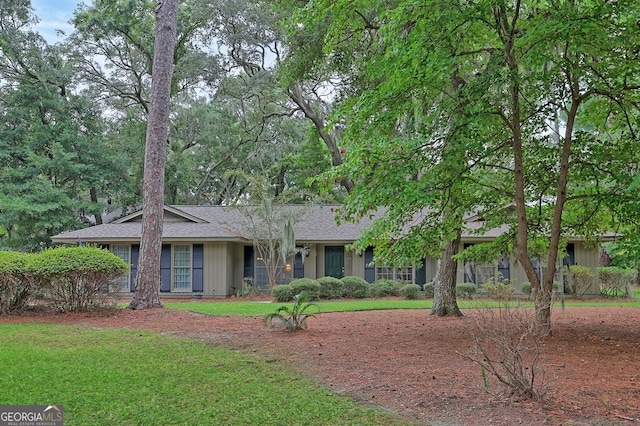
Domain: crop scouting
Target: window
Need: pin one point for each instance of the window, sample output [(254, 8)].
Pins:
[(122, 283), (404, 274), (181, 280)]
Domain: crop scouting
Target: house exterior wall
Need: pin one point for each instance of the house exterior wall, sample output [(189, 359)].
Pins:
[(584, 255), (218, 269)]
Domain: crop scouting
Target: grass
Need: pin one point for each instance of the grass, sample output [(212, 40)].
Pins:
[(125, 377), (239, 307)]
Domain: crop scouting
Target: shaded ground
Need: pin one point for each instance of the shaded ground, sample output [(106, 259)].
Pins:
[(410, 362)]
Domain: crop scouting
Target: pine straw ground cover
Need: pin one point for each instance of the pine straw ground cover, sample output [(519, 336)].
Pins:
[(410, 362)]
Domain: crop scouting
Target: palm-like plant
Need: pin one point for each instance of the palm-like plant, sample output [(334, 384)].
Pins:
[(295, 317)]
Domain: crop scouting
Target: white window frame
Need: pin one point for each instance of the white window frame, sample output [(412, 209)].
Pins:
[(397, 274), (123, 251), (181, 268)]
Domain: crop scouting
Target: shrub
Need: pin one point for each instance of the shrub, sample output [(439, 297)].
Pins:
[(355, 287), (312, 287), (330, 288), (72, 277), (381, 288), (498, 288), (525, 287), (508, 346), (282, 293), (292, 318), (428, 289), (465, 290), (16, 287), (410, 291), (616, 282), (581, 279)]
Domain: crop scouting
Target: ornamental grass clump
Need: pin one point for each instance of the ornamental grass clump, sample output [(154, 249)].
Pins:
[(292, 318)]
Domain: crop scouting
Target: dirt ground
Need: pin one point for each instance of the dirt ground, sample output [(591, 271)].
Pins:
[(410, 362)]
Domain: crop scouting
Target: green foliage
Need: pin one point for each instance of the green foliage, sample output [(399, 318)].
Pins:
[(73, 277), (355, 287), (307, 285), (428, 289), (282, 293), (330, 288), (410, 291), (525, 288), (616, 282), (293, 318), (385, 287), (499, 289), (16, 287), (581, 279), (465, 290)]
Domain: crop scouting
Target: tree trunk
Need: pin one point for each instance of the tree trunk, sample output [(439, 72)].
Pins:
[(147, 291), (444, 283)]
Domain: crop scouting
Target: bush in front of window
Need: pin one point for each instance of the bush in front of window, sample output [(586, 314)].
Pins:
[(410, 291), (282, 293), (428, 289), (355, 287), (525, 288), (383, 288), (72, 278), (465, 290), (330, 288), (16, 287), (311, 287)]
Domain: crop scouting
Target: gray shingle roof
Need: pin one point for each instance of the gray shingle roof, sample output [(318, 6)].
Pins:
[(222, 223)]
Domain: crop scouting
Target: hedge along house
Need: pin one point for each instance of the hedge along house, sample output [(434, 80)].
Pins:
[(208, 251)]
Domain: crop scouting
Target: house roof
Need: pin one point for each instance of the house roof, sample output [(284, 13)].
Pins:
[(219, 223), (312, 224)]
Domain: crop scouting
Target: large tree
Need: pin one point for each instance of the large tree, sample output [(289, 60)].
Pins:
[(523, 94), (147, 290), (56, 168)]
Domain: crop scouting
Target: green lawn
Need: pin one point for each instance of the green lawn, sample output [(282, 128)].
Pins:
[(239, 307), (124, 377)]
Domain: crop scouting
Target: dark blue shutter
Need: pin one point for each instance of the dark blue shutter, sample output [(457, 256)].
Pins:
[(298, 266), (421, 273), (165, 268), (369, 267), (198, 262), (135, 254), (248, 262)]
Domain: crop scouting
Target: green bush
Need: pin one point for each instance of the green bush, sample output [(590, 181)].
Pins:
[(355, 287), (410, 291), (381, 288), (525, 288), (616, 282), (330, 288), (16, 287), (282, 293), (498, 288), (311, 287), (465, 290), (72, 277), (581, 279), (428, 289)]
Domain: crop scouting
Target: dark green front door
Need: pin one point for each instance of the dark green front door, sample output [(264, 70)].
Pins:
[(334, 261)]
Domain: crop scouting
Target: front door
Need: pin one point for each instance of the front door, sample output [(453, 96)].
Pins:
[(334, 261)]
